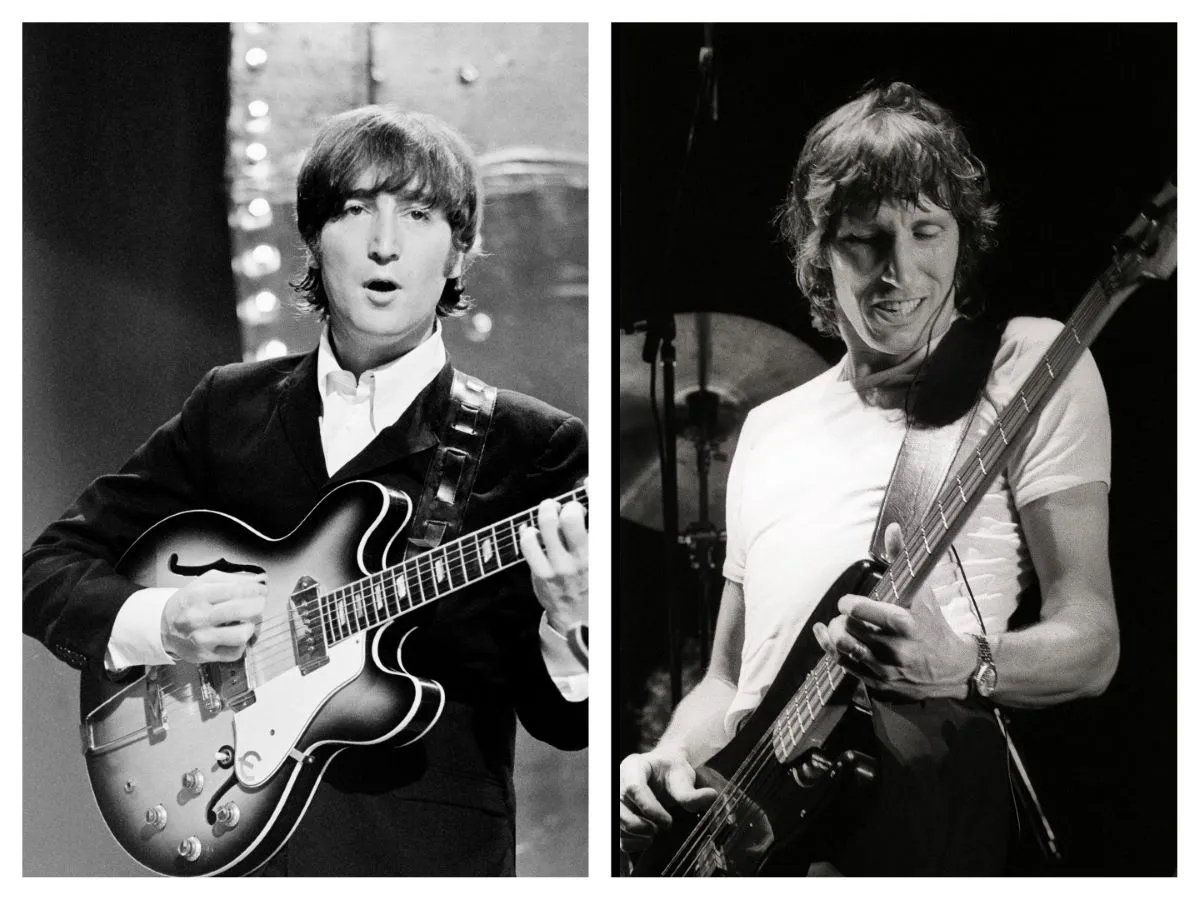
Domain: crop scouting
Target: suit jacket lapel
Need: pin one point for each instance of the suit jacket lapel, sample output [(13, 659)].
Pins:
[(415, 430), (299, 412)]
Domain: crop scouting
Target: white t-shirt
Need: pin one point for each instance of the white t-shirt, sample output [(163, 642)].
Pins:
[(809, 475)]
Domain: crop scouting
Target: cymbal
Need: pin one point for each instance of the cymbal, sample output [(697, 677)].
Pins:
[(725, 366)]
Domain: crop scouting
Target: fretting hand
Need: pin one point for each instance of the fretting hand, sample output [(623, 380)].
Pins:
[(559, 563), (910, 651)]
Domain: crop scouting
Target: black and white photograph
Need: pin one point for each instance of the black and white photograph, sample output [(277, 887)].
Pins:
[(897, 548), (305, 474)]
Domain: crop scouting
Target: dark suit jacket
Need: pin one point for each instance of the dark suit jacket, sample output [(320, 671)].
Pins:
[(247, 444)]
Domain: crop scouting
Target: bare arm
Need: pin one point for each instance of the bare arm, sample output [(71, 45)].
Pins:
[(696, 731), (697, 727), (1072, 650)]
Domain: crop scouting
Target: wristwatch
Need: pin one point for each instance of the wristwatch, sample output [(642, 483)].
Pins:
[(983, 679)]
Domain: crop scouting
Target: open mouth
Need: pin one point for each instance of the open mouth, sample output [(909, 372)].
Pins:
[(899, 307), (382, 285)]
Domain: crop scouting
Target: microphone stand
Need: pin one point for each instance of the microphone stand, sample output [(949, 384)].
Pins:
[(660, 346)]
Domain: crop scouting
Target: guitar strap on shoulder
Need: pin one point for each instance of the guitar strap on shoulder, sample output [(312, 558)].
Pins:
[(927, 457), (451, 476), (921, 467)]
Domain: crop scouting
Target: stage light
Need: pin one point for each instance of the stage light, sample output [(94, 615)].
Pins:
[(258, 108), (258, 309), (259, 261), (256, 152), (256, 57), (266, 302), (271, 349), (477, 327), (259, 207)]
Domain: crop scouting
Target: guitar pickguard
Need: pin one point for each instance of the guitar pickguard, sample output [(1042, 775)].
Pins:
[(267, 731)]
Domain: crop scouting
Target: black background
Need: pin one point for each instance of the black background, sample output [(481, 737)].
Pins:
[(1077, 125)]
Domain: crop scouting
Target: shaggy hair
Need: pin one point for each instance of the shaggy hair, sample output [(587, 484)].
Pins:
[(412, 154), (889, 144)]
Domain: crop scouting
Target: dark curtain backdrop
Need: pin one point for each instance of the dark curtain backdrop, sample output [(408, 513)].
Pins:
[(1077, 124), (127, 301)]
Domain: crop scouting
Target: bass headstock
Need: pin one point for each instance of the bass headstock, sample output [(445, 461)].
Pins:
[(1151, 242)]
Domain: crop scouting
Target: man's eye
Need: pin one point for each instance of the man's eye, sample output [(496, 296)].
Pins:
[(926, 234), (354, 209), (420, 214)]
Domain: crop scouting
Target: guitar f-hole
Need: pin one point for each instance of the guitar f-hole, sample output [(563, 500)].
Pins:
[(221, 565)]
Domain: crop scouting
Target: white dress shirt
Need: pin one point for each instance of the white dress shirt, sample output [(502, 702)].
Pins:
[(354, 411)]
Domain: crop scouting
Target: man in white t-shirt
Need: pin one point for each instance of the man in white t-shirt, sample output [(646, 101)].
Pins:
[(888, 215)]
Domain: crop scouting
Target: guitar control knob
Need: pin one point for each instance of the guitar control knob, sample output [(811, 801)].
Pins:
[(225, 757), (228, 814), (156, 817), (193, 781), (189, 848)]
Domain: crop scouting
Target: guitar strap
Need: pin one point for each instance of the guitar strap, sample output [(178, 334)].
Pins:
[(921, 467), (439, 514)]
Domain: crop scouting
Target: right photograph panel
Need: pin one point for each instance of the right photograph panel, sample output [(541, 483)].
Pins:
[(897, 545)]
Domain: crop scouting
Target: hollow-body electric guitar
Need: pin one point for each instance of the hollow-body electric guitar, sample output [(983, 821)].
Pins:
[(787, 765), (207, 769)]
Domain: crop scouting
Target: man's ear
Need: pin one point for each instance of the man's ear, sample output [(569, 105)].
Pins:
[(455, 264)]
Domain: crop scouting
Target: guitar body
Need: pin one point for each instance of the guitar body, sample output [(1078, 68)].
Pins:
[(785, 801), (207, 769)]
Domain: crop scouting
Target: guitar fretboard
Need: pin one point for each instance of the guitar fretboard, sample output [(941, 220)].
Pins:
[(391, 593)]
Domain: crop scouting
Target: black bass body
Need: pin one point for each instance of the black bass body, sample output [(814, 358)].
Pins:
[(776, 803), (206, 769)]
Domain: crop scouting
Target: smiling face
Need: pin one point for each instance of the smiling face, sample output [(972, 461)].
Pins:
[(384, 260), (893, 276)]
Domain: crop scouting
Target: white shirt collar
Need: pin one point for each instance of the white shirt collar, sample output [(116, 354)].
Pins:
[(390, 388)]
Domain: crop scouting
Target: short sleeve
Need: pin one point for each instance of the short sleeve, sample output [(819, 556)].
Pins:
[(1071, 444), (735, 536)]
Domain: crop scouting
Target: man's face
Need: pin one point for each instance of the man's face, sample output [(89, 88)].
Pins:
[(893, 276), (384, 262)]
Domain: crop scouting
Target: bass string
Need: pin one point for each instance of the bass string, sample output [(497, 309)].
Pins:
[(1058, 360), (742, 782)]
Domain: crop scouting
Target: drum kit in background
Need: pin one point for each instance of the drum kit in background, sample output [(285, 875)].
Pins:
[(725, 365)]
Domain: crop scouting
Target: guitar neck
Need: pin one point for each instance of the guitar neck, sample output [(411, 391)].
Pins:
[(424, 578), (929, 540)]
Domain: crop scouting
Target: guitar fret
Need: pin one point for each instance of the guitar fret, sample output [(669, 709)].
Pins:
[(378, 595), (425, 580), (360, 606), (412, 581), (385, 595)]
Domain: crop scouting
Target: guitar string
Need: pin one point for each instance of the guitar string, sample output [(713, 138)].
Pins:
[(421, 570), (259, 664), (275, 644), (1061, 356), (278, 650)]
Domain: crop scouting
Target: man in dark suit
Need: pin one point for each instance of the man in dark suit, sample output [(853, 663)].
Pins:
[(389, 207)]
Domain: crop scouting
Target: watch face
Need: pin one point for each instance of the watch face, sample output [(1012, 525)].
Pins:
[(985, 680)]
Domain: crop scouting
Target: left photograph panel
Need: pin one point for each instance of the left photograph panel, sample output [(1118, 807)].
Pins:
[(305, 449)]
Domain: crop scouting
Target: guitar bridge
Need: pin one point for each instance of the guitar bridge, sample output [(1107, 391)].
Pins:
[(304, 619)]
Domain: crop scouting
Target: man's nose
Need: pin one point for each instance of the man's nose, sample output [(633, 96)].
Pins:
[(385, 242), (899, 263)]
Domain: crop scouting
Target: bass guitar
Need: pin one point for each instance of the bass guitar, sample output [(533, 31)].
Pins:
[(207, 769), (786, 767)]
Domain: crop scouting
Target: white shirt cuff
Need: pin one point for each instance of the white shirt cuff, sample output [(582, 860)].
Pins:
[(566, 671), (136, 638)]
